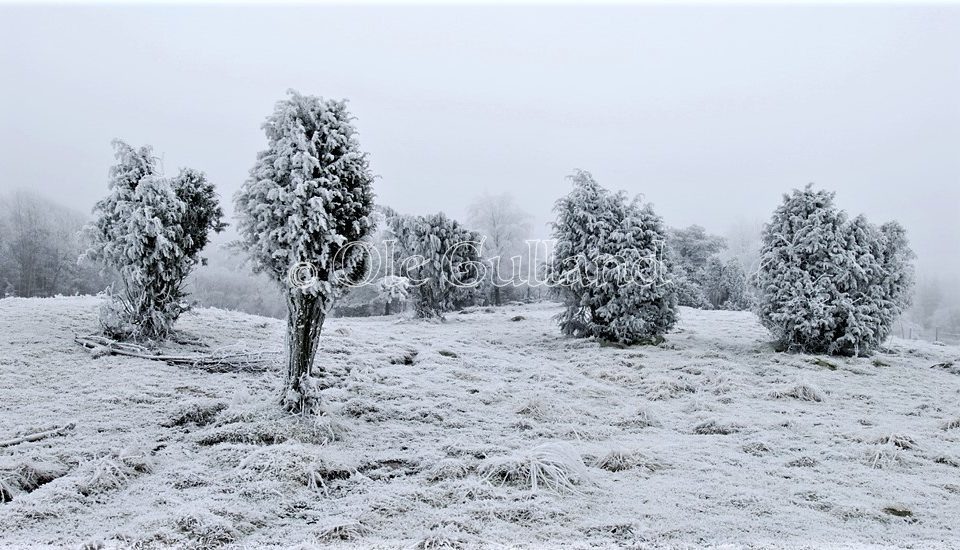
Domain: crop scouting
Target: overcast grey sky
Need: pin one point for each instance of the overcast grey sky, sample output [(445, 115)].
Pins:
[(710, 113)]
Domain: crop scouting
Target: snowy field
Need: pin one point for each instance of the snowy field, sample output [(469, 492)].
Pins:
[(488, 430)]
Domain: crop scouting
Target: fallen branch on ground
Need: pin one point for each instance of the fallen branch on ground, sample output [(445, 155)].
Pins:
[(37, 436), (229, 359)]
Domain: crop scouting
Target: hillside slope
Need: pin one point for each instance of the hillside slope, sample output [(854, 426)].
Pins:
[(432, 430)]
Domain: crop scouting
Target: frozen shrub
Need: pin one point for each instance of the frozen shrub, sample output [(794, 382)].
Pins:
[(609, 266), (303, 211), (828, 284), (440, 258), (150, 230), (725, 285), (691, 249)]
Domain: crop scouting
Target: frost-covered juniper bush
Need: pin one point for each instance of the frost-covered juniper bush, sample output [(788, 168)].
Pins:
[(609, 266), (829, 284), (150, 230), (440, 257), (307, 200)]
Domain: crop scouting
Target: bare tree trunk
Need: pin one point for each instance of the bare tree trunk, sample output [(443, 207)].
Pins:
[(386, 308), (496, 295), (304, 321)]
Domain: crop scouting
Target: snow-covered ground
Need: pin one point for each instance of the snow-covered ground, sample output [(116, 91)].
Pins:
[(434, 431)]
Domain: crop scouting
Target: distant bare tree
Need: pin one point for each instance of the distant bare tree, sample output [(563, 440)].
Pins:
[(504, 226), (40, 247)]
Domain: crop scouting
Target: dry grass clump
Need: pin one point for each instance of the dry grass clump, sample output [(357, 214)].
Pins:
[(343, 531), (405, 357), (619, 375), (389, 468), (619, 531), (951, 424), (620, 460), (112, 471), (662, 389), (713, 427), (644, 418), (947, 460), (27, 475), (553, 467), (756, 448), (448, 468), (243, 407), (365, 409), (803, 391), (535, 408), (200, 412), (440, 541), (274, 429), (899, 441), (803, 462), (292, 463), (885, 455), (206, 530), (254, 433)]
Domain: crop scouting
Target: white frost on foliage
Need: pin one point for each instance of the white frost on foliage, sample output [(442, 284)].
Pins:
[(308, 196), (150, 229), (609, 265), (828, 284)]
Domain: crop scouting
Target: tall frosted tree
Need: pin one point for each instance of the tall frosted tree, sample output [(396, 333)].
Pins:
[(302, 212), (150, 229), (691, 249), (829, 284), (725, 284), (609, 266)]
